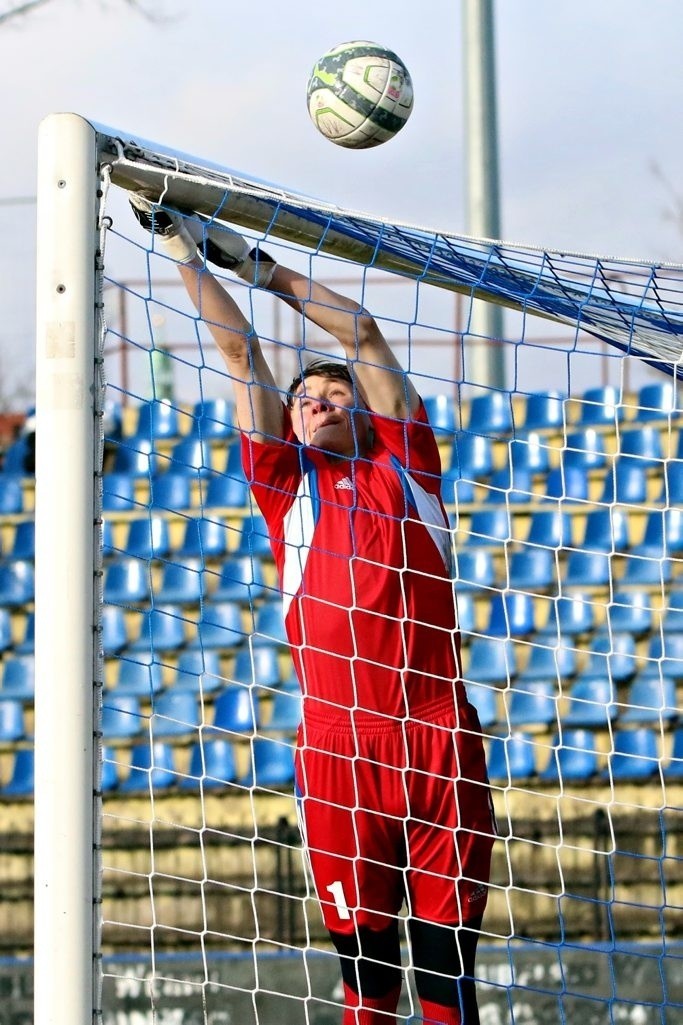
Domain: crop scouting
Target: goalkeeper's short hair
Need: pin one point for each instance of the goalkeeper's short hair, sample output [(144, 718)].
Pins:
[(330, 369)]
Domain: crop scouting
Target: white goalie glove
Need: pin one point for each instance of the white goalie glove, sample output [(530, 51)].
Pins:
[(182, 238)]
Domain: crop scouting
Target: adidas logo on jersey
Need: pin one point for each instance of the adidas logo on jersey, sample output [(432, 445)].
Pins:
[(344, 484)]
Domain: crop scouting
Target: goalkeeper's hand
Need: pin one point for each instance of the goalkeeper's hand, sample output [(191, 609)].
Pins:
[(182, 238)]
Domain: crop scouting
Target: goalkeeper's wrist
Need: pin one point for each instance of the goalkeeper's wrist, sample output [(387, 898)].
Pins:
[(180, 247)]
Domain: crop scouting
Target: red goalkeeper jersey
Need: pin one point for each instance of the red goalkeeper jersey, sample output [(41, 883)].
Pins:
[(363, 552)]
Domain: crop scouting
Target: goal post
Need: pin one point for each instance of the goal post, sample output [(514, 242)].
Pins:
[(201, 894)]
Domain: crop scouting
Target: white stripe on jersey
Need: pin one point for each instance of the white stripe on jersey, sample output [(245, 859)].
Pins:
[(430, 513), (299, 524)]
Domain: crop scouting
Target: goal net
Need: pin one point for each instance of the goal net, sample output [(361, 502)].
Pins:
[(171, 881)]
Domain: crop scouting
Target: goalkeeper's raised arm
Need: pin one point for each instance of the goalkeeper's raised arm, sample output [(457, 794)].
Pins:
[(382, 384)]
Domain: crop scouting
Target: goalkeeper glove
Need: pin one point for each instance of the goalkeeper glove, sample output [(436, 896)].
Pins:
[(182, 238)]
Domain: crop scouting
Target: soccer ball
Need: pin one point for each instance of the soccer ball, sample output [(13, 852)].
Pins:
[(359, 95)]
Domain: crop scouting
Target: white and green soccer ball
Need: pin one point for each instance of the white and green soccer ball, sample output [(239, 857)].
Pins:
[(359, 94)]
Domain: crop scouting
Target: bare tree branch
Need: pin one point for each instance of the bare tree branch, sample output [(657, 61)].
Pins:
[(22, 8), (16, 9)]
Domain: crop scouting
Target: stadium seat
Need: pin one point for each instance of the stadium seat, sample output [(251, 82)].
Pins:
[(529, 452), (574, 758), (556, 662), (16, 457), (625, 482), (175, 713), (673, 767), (544, 411), (511, 614), (11, 494), (170, 491), (663, 533), (24, 541), (241, 579), (114, 634), (466, 609), (474, 569), (16, 583), (181, 583), (204, 537), (635, 755), (126, 582), (212, 418), (212, 763), (5, 629), (489, 526), (645, 568), (11, 719), (671, 493), (490, 660), (220, 626), (567, 482), (533, 703), (612, 655), (161, 629), (121, 716), (484, 697), (285, 712), (23, 773), (590, 704), (490, 414), (152, 766), (135, 458), (235, 710), (587, 569), (272, 764), (258, 665), (657, 402), (631, 611), (441, 413), (606, 530), (225, 491), (19, 677), (147, 538), (585, 450), (672, 618), (532, 569), (510, 485), (118, 492), (511, 759), (269, 626), (601, 406), (109, 549), (136, 678), (254, 539), (456, 490), (157, 419), (665, 654), (109, 773), (550, 528), (191, 456), (471, 456), (26, 644), (198, 671), (644, 444), (650, 699)]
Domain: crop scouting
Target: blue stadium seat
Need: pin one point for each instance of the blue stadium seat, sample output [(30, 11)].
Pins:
[(171, 491), (533, 703), (489, 526), (254, 537), (22, 778), (114, 633), (643, 443), (19, 677), (635, 755), (152, 766), (529, 452), (233, 459), (602, 406), (121, 716), (135, 458), (663, 533), (625, 482), (137, 679), (474, 569), (612, 655), (212, 418), (212, 763), (606, 530), (12, 726), (466, 609), (161, 629), (181, 583), (471, 456), (157, 419), (657, 402), (511, 759), (651, 699), (236, 710), (5, 629), (556, 662), (544, 411), (673, 767), (510, 485), (199, 671), (587, 569), (455, 489), (441, 413), (567, 482), (491, 414), (532, 569), (109, 774), (512, 614), (11, 494), (631, 611), (585, 449), (490, 660), (241, 579), (484, 697), (191, 456), (257, 665), (550, 528), (26, 644), (590, 704), (665, 654), (15, 458), (645, 568), (672, 619), (204, 537), (118, 492), (220, 626), (175, 713), (147, 538), (269, 625), (272, 764), (671, 493), (574, 758), (107, 538), (16, 583), (224, 491), (286, 711), (126, 582)]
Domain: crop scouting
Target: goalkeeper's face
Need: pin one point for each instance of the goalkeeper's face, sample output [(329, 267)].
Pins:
[(325, 414)]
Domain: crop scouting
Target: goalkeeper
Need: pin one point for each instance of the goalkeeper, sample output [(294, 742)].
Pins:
[(393, 796)]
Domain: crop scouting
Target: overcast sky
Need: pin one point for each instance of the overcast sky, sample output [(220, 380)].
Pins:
[(590, 94)]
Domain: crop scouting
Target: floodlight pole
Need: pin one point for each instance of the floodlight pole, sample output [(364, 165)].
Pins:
[(483, 360)]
